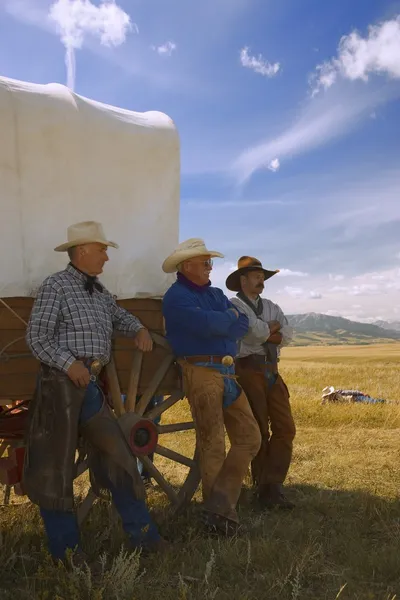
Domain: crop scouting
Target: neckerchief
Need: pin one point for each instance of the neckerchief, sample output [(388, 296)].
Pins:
[(91, 282)]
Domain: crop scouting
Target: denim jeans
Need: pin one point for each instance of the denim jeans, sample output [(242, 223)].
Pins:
[(62, 526)]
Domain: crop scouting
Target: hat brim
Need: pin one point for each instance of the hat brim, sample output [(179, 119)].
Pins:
[(170, 264), (82, 241), (233, 280)]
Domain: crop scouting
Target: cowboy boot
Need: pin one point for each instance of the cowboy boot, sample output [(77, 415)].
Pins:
[(271, 495)]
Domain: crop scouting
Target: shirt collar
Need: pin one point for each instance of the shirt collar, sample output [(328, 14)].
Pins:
[(70, 268), (193, 286)]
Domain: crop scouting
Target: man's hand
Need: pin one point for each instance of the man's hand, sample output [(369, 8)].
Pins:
[(143, 341), (275, 338), (274, 326), (79, 374)]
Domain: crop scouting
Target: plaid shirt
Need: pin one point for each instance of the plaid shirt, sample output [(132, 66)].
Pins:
[(67, 322)]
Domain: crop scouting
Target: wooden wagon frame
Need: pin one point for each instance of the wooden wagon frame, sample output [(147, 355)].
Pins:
[(130, 372)]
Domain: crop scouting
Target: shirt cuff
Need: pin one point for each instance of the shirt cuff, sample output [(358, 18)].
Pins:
[(64, 361)]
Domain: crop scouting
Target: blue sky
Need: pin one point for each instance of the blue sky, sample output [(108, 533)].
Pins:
[(296, 164)]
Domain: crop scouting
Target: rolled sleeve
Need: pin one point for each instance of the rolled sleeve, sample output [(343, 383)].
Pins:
[(123, 320)]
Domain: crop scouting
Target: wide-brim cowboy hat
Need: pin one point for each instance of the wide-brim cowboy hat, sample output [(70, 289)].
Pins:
[(87, 232), (186, 250), (246, 264)]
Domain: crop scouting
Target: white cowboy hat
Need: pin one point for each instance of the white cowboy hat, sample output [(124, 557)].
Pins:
[(327, 391), (87, 232), (188, 249)]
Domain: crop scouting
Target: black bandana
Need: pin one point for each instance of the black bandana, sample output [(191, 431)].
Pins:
[(91, 282)]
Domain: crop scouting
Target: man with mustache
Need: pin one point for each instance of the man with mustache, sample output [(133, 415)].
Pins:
[(203, 328), (257, 369)]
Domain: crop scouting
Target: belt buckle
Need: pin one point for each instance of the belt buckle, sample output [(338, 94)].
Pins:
[(95, 369), (227, 361)]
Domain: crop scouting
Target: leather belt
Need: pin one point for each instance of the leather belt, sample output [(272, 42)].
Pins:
[(257, 360), (94, 365), (207, 358)]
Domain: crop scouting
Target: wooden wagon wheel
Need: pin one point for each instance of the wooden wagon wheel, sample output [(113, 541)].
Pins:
[(178, 493)]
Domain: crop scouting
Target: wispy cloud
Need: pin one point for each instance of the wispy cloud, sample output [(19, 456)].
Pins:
[(258, 64), (290, 273), (76, 19), (166, 49), (358, 57), (321, 120), (240, 205)]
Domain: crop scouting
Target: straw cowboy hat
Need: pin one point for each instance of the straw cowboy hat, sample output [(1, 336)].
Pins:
[(87, 232), (246, 264), (188, 249)]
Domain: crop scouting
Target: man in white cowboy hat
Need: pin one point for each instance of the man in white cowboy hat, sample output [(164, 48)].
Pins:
[(257, 370), (69, 332), (203, 328)]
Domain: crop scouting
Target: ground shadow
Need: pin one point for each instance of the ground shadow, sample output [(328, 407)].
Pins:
[(333, 537)]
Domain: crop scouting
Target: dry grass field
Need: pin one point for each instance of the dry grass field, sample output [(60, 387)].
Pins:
[(341, 541)]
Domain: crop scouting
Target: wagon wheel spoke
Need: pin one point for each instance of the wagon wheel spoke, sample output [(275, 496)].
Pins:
[(155, 383), (162, 482), (134, 377), (158, 410), (175, 456), (115, 389), (174, 427)]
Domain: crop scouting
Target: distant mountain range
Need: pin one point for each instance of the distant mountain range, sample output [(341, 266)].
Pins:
[(319, 329)]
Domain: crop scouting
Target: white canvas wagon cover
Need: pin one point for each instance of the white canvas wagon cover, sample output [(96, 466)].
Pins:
[(64, 159)]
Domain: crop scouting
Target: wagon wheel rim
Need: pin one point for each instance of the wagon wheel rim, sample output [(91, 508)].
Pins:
[(178, 499)]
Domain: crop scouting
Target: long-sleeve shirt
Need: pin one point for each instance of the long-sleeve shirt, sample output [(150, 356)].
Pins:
[(199, 320), (67, 322), (259, 331)]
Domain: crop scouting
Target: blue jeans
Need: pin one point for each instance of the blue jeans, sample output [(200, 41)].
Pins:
[(232, 390), (62, 526)]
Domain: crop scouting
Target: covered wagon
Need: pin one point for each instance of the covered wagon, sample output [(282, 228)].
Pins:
[(65, 159)]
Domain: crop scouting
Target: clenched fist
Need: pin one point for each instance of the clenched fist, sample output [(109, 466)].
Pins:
[(274, 326)]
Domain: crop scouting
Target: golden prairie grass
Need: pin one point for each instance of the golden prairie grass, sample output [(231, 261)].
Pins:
[(341, 541)]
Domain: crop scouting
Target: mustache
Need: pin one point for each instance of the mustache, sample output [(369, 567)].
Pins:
[(260, 285)]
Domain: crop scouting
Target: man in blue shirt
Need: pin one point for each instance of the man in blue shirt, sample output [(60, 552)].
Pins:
[(203, 329)]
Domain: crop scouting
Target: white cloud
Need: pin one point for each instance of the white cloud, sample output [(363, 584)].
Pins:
[(358, 57), (76, 19), (258, 64), (219, 273), (315, 295), (166, 49), (336, 277), (290, 273), (294, 292), (274, 165)]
